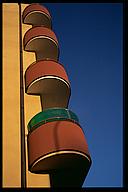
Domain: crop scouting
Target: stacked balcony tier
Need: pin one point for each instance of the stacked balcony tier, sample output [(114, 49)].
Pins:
[(56, 142), (56, 139), (37, 15), (48, 79), (43, 42)]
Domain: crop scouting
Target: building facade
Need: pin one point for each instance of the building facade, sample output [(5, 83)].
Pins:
[(56, 152)]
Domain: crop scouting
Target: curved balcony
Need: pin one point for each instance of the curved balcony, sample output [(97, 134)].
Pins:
[(43, 41), (48, 79), (36, 14), (58, 145), (49, 115)]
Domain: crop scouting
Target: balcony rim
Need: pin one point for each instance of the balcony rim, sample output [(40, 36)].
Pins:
[(54, 118), (49, 15), (59, 152), (28, 31)]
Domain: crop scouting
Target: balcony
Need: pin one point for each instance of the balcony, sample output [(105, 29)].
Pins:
[(48, 79), (58, 145), (49, 115), (36, 14), (43, 42)]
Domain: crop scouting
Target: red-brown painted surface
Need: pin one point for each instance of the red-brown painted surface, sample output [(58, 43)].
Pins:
[(35, 7), (36, 32), (44, 68), (56, 136)]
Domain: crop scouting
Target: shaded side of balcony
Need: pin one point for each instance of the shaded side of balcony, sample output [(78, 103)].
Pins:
[(63, 146), (49, 80), (36, 14), (43, 42)]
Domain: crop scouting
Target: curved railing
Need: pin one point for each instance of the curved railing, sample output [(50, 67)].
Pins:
[(36, 14), (45, 68), (49, 115), (43, 42)]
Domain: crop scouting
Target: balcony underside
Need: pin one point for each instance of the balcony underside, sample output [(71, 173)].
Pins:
[(49, 80), (44, 48), (64, 137), (53, 92), (45, 69), (43, 42), (60, 160), (66, 168), (35, 14)]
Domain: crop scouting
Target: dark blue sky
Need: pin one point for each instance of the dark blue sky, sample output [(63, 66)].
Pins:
[(90, 37)]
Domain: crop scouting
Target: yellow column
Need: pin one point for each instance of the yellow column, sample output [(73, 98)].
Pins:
[(11, 97), (11, 101)]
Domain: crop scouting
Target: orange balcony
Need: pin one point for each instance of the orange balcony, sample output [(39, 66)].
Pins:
[(36, 14), (43, 42), (48, 79), (58, 145)]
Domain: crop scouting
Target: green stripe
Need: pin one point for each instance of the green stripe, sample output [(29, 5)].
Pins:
[(50, 115)]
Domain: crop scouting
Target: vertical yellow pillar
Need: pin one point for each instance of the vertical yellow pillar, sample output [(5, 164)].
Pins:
[(11, 156), (11, 97)]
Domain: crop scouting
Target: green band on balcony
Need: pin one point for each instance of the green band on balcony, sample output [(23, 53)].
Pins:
[(49, 115)]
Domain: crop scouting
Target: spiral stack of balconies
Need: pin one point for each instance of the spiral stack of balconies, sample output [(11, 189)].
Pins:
[(56, 142)]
